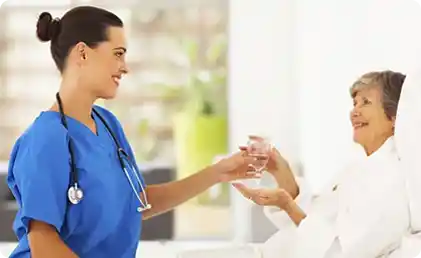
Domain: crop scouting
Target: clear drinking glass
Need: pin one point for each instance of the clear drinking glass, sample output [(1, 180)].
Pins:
[(260, 149)]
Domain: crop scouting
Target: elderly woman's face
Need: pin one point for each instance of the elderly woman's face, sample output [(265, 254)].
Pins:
[(369, 121)]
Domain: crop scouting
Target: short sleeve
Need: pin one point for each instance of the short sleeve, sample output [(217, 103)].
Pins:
[(40, 170)]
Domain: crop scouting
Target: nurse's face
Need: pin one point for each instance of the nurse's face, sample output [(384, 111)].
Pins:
[(370, 124), (105, 65)]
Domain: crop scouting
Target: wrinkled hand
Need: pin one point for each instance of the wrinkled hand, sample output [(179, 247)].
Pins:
[(266, 197), (235, 167), (276, 161)]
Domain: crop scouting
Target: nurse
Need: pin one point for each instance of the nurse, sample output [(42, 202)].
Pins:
[(363, 212), (72, 172)]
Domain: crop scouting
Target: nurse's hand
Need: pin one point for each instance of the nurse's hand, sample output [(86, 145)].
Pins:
[(235, 167), (266, 197)]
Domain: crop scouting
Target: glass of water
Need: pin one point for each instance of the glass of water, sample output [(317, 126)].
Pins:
[(259, 148)]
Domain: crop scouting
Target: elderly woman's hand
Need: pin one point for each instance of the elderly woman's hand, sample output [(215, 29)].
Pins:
[(279, 168), (266, 197)]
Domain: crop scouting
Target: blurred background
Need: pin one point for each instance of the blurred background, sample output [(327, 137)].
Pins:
[(207, 73)]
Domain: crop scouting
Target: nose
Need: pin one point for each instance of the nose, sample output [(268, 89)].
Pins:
[(124, 69), (355, 112)]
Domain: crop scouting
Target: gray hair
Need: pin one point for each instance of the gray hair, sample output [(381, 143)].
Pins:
[(390, 84)]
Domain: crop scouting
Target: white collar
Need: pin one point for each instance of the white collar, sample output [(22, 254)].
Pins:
[(387, 147)]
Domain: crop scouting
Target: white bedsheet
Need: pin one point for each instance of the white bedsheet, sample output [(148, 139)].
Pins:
[(170, 249)]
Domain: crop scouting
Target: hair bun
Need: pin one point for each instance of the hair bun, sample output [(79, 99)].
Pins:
[(47, 27)]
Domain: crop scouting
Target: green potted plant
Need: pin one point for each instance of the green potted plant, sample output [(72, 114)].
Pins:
[(200, 120)]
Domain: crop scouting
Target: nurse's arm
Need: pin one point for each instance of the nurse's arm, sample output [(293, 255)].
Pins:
[(45, 242), (164, 197)]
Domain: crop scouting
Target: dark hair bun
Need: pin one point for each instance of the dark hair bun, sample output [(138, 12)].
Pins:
[(47, 27)]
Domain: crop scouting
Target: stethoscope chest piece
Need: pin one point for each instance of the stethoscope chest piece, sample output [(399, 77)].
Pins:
[(75, 194)]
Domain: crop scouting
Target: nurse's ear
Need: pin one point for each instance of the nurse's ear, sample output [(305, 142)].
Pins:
[(81, 50)]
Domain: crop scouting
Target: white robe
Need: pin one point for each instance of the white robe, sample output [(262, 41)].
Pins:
[(363, 213)]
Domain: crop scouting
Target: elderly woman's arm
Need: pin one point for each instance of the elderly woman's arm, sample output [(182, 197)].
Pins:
[(279, 217), (295, 213)]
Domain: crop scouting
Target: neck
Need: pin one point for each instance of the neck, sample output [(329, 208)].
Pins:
[(77, 104), (374, 145)]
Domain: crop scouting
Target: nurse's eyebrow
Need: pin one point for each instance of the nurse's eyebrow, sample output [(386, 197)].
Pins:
[(121, 48)]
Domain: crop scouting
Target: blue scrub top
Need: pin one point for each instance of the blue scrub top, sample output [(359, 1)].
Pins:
[(105, 223)]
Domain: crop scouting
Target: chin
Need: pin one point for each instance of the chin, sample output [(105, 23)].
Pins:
[(357, 139), (108, 95)]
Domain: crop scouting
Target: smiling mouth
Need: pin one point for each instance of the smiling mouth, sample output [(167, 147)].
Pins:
[(116, 80), (359, 125)]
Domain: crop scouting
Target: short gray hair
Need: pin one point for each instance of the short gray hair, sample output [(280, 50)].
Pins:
[(389, 82)]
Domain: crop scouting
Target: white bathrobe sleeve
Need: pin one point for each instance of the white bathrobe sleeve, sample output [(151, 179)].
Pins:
[(278, 242), (282, 242), (408, 142), (304, 199), (279, 218)]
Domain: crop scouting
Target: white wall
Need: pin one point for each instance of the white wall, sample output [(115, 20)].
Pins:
[(335, 42), (295, 67)]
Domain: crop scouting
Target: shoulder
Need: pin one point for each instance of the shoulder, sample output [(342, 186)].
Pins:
[(45, 130), (44, 135), (43, 145)]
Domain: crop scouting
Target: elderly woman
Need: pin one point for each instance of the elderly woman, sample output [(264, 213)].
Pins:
[(364, 212)]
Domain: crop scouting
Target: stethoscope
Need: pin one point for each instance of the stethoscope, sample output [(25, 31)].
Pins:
[(75, 193)]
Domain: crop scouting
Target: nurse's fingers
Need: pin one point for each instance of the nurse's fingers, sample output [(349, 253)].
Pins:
[(243, 157), (249, 173)]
